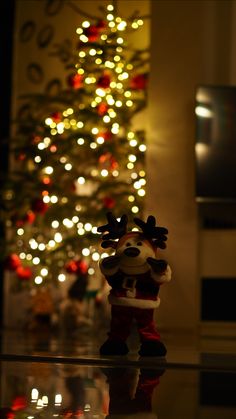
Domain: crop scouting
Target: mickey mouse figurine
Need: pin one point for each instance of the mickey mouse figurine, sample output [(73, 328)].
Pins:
[(135, 275)]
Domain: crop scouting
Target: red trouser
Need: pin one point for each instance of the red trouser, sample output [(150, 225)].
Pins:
[(121, 320)]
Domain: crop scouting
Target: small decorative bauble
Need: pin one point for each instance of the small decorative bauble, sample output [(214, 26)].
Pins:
[(12, 262), (24, 273), (56, 117), (101, 25), (109, 202), (19, 403), (39, 206), (30, 217), (75, 81), (107, 135), (92, 33), (139, 82), (76, 267), (104, 81), (71, 267), (102, 108)]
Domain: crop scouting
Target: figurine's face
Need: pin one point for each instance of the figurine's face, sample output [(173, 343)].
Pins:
[(134, 250)]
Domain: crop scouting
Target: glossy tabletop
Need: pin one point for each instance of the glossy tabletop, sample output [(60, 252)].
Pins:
[(47, 375)]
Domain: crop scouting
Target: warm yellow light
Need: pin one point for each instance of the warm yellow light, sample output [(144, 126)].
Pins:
[(135, 209), (48, 121), (80, 141), (104, 172), (122, 25), (95, 256), (34, 394), (86, 24), (48, 170), (133, 143), (141, 192), (38, 280), (33, 244), (58, 237), (82, 54), (93, 145), (36, 260), (110, 7), (41, 247), (98, 61), (109, 64), (142, 147), (129, 103), (83, 38), (61, 278), (85, 252), (80, 71), (100, 140), (20, 231), (67, 223), (142, 173), (46, 199), (132, 158), (100, 92), (68, 166), (44, 271), (92, 52), (131, 198), (41, 146), (118, 103), (110, 17), (88, 226), (81, 180), (106, 119), (55, 224), (120, 40), (51, 243), (130, 166), (79, 31), (37, 159)]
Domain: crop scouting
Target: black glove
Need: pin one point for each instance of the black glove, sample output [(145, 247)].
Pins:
[(158, 266)]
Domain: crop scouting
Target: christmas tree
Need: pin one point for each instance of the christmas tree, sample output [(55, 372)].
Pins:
[(76, 157)]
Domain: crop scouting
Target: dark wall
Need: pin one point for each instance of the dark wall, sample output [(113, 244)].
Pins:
[(7, 10)]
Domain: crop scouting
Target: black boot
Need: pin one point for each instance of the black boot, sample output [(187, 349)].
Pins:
[(111, 347), (152, 348)]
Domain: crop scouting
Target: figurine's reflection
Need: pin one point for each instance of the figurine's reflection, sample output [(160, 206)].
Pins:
[(130, 392)]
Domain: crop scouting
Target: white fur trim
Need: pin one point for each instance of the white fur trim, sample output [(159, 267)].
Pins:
[(133, 302)]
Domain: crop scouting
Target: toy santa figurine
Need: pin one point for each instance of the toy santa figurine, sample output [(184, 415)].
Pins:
[(135, 275)]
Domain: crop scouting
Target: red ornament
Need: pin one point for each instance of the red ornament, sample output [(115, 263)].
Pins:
[(56, 117), (30, 217), (139, 82), (104, 81), (39, 206), (76, 266), (12, 262), (24, 273), (92, 33), (19, 403), (101, 25), (109, 202), (75, 81), (102, 108)]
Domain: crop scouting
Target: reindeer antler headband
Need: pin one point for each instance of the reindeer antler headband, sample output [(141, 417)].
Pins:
[(115, 229)]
